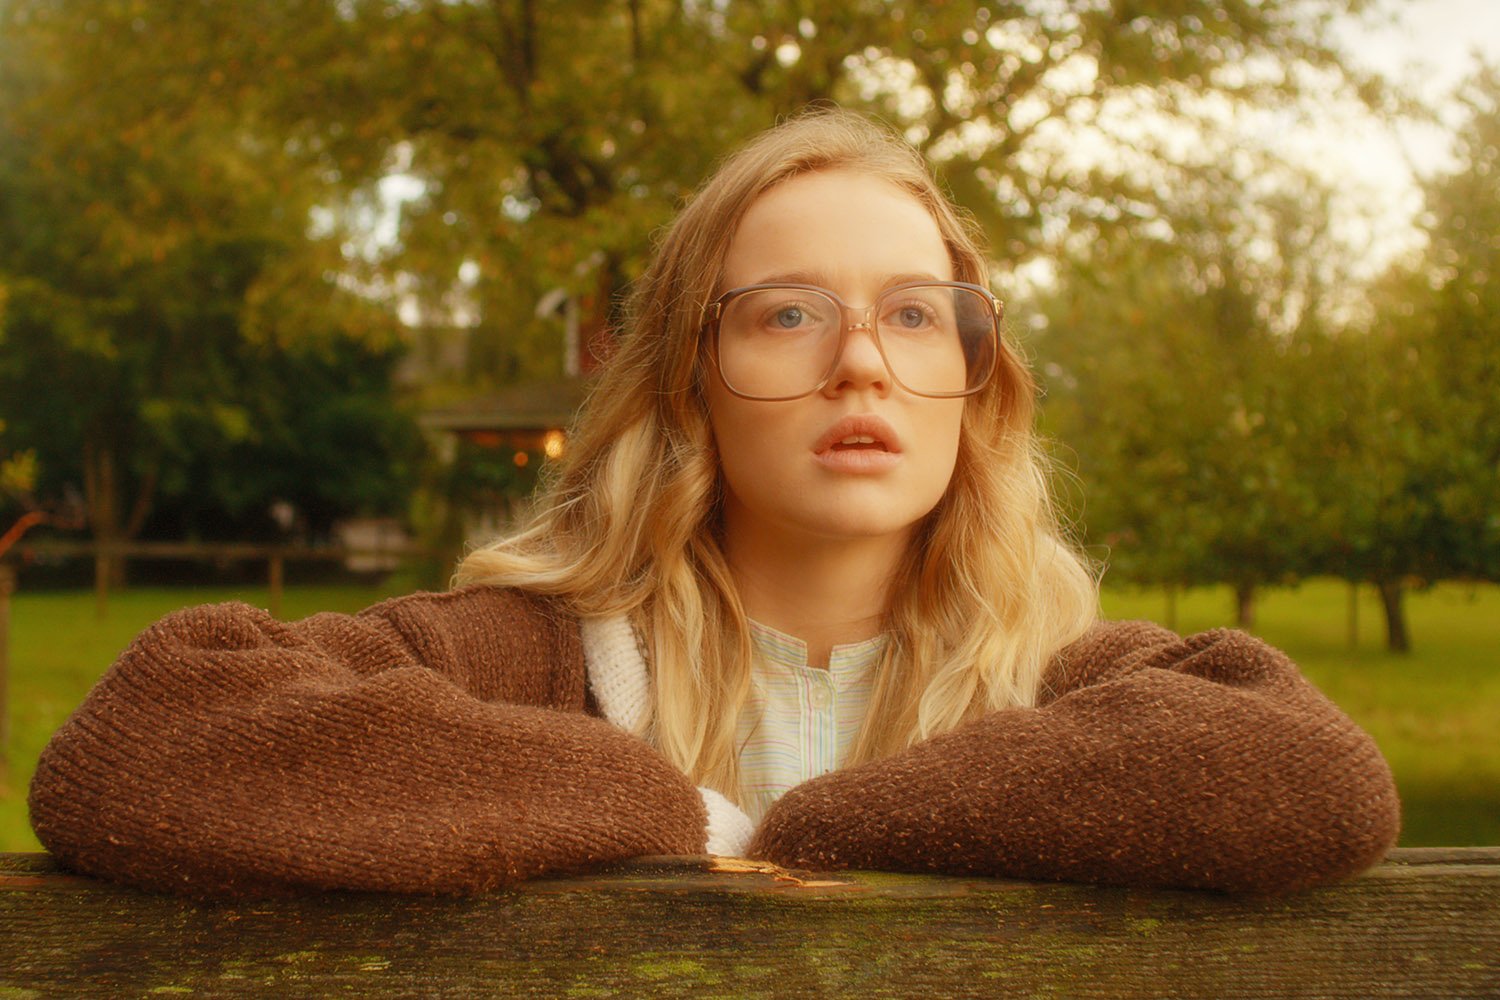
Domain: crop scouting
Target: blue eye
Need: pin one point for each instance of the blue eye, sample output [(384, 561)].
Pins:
[(788, 318), (909, 316)]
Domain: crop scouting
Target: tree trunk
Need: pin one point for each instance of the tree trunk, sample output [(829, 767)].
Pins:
[(1244, 605), (1397, 639), (104, 488), (102, 498)]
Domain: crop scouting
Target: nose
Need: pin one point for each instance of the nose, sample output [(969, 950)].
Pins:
[(860, 364)]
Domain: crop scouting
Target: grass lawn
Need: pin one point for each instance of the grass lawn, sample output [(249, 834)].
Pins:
[(1435, 713)]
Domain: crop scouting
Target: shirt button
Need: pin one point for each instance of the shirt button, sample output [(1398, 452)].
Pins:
[(819, 698)]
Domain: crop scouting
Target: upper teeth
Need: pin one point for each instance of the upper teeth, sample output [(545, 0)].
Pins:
[(858, 439)]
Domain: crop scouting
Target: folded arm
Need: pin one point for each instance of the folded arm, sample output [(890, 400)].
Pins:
[(435, 743), (1204, 762)]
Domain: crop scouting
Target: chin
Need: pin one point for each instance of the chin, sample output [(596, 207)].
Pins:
[(857, 525)]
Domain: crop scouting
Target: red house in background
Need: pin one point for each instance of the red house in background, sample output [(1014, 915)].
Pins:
[(528, 417)]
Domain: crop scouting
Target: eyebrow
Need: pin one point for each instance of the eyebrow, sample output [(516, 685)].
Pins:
[(822, 280)]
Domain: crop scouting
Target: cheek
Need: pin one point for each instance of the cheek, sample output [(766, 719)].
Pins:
[(741, 444), (942, 427)]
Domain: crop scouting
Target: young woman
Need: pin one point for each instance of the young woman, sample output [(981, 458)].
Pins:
[(796, 593)]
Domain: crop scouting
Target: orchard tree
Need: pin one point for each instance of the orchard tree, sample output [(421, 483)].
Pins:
[(1167, 349), (1414, 483), (1462, 342)]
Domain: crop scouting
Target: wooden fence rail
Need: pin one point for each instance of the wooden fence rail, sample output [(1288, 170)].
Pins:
[(107, 554), (1426, 923)]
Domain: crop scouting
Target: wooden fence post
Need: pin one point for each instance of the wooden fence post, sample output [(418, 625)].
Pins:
[(278, 575), (1353, 614), (7, 587), (101, 580)]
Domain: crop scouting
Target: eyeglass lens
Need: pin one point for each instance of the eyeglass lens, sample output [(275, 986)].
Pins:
[(783, 342)]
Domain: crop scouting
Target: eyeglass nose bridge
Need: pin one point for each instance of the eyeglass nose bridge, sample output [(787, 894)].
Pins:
[(865, 322)]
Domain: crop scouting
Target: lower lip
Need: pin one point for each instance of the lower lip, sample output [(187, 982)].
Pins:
[(857, 461)]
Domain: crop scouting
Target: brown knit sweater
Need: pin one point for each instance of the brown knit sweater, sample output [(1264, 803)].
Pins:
[(448, 743)]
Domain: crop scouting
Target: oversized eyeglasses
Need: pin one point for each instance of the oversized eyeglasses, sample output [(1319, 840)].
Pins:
[(781, 342)]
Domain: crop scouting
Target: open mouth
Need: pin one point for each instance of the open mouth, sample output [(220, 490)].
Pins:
[(858, 434), (861, 442)]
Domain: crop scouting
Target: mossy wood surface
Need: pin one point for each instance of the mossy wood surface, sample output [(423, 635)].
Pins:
[(1424, 924)]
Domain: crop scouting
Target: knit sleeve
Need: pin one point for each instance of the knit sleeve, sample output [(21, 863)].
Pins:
[(1204, 762), (434, 744)]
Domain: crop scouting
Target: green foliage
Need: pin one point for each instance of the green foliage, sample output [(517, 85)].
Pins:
[(164, 291), (18, 468), (314, 426), (551, 139), (485, 477), (496, 478), (1176, 385), (188, 186), (1460, 346), (18, 473), (1415, 464), (1230, 424)]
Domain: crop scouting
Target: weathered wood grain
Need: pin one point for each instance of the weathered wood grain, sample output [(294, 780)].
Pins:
[(1424, 924)]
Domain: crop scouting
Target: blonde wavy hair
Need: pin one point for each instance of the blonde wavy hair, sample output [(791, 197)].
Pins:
[(629, 523)]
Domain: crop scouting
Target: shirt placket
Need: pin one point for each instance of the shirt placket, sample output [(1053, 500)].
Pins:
[(820, 734)]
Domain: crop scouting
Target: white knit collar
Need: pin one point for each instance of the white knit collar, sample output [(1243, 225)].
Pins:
[(617, 672)]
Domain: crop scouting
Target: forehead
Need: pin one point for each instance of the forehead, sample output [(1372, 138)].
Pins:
[(848, 228)]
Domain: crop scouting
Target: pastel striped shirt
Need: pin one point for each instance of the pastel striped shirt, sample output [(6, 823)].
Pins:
[(799, 721)]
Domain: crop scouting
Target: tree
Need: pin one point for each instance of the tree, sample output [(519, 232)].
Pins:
[(1169, 349), (140, 142), (323, 435), (157, 258), (1416, 482), (550, 139), (1462, 343)]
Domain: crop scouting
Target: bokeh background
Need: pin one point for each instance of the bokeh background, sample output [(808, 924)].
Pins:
[(297, 298)]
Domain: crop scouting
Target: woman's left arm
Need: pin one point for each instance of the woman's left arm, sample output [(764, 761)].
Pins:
[(1201, 762)]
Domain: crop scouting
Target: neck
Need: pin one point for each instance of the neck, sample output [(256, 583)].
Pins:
[(826, 592)]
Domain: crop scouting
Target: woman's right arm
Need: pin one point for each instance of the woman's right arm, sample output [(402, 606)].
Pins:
[(435, 743)]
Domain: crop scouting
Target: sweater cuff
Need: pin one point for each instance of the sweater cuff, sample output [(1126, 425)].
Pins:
[(729, 829)]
